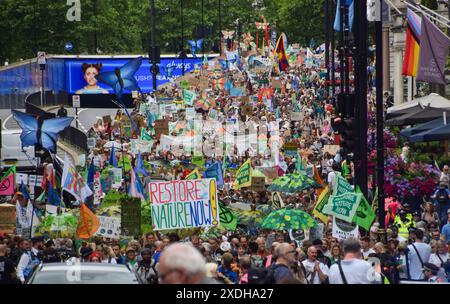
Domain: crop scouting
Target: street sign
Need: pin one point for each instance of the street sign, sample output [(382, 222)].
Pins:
[(76, 101), (42, 58)]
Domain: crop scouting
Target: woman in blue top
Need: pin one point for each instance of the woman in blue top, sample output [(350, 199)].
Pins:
[(90, 72)]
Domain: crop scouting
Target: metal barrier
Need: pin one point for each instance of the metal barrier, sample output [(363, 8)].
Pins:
[(71, 135)]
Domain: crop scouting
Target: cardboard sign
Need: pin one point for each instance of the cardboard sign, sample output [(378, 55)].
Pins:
[(203, 85), (258, 184), (161, 128), (91, 143), (331, 149), (184, 204), (125, 127), (109, 227), (7, 218), (271, 173)]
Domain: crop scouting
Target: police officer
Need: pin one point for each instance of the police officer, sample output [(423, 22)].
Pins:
[(430, 272), (404, 221), (30, 259)]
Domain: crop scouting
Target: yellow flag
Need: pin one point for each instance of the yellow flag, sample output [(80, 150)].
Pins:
[(321, 202), (243, 176), (194, 175)]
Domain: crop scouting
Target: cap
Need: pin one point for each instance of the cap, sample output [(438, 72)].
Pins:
[(416, 214), (430, 267), (402, 212)]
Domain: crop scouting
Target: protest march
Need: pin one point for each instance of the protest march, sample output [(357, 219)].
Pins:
[(234, 173)]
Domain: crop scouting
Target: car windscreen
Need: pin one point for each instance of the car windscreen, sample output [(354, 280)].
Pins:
[(84, 277)]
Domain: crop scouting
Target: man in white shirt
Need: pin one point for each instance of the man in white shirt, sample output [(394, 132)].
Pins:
[(418, 253), (332, 175), (316, 272), (354, 269), (365, 247), (29, 259)]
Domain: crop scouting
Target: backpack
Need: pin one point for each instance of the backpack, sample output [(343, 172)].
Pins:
[(257, 275), (442, 196), (269, 277)]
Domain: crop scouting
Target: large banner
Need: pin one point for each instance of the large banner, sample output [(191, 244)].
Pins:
[(184, 204), (80, 73)]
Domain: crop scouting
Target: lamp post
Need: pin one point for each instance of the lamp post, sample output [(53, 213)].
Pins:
[(154, 50), (182, 54), (220, 27)]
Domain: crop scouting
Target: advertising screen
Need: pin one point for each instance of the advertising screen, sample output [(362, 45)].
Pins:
[(80, 73)]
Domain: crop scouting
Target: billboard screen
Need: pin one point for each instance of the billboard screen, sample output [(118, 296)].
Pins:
[(80, 73)]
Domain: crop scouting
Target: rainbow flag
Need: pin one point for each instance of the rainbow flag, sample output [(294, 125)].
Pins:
[(7, 182), (280, 52), (413, 34)]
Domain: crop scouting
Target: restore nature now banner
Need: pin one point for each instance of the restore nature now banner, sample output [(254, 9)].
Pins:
[(184, 204)]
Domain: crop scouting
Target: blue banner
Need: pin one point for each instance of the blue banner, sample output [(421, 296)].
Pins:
[(77, 77)]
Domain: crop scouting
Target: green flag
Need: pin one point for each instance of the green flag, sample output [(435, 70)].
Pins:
[(198, 160), (228, 218), (299, 164), (345, 169), (243, 176), (343, 206), (341, 186), (321, 202), (189, 97), (184, 85), (145, 135), (364, 216)]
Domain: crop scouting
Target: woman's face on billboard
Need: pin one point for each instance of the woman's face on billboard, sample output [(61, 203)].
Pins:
[(89, 76)]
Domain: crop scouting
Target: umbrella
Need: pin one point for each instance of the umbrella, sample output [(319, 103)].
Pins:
[(436, 134), (434, 100), (110, 144), (292, 183), (285, 219), (417, 116), (422, 127)]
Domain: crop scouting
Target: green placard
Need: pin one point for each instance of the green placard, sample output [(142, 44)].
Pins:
[(131, 216)]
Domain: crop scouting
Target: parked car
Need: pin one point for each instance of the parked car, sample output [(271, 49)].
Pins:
[(83, 273)]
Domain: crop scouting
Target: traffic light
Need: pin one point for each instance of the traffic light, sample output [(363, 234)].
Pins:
[(349, 136)]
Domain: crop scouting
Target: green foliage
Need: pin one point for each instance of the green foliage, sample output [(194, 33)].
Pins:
[(112, 199), (123, 26)]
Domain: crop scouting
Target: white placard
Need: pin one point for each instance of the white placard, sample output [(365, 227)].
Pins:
[(20, 177), (343, 230), (39, 181), (76, 101), (32, 180), (42, 58), (91, 142), (109, 227)]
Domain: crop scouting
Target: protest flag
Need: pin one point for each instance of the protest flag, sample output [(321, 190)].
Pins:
[(194, 175), (351, 13), (280, 52), (52, 196), (135, 189), (89, 223), (73, 182), (215, 171), (321, 202), (299, 164), (8, 181), (140, 167), (364, 216), (434, 45), (113, 158), (91, 173), (24, 191), (228, 218), (341, 186), (413, 36), (243, 176)]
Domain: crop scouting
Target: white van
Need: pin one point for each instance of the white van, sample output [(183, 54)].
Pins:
[(12, 152)]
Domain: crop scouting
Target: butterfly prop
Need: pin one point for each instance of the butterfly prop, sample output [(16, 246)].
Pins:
[(45, 133), (167, 70), (226, 64), (195, 46), (123, 79), (228, 34)]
